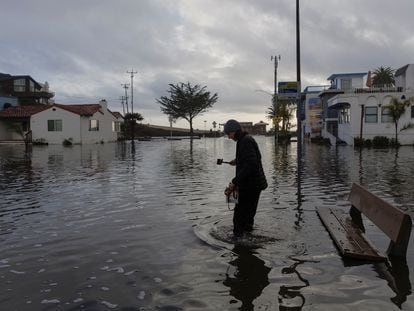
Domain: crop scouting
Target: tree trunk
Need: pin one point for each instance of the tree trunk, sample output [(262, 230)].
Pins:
[(191, 128)]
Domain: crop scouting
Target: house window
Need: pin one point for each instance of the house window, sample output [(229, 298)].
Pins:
[(54, 125), (19, 85), (412, 112), (116, 126), (344, 115), (31, 86), (93, 125), (386, 115), (371, 114), (346, 84)]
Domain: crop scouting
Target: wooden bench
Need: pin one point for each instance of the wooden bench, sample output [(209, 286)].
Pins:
[(347, 229)]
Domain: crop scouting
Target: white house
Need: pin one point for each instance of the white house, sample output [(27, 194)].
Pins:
[(357, 111), (82, 124), (53, 124)]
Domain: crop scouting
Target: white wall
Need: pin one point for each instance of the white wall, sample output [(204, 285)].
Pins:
[(70, 126), (105, 133), (347, 132), (370, 130)]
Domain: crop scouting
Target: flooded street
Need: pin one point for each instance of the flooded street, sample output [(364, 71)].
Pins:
[(112, 227)]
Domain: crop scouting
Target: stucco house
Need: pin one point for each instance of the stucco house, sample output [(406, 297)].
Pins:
[(80, 124), (352, 110)]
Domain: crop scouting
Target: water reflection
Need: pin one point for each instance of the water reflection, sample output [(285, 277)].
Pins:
[(290, 297), (247, 277), (124, 214)]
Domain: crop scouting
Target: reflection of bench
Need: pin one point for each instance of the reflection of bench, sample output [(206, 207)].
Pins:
[(348, 232)]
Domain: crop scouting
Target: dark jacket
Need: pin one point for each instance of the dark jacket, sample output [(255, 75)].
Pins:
[(249, 170)]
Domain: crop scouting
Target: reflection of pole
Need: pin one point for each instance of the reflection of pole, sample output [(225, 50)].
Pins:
[(362, 124)]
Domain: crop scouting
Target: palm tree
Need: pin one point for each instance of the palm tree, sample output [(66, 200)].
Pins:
[(281, 111), (383, 76), (397, 109)]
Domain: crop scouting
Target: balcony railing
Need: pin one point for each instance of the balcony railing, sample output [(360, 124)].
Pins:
[(376, 89)]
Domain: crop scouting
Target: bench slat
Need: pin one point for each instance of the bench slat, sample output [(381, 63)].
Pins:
[(387, 217), (350, 240)]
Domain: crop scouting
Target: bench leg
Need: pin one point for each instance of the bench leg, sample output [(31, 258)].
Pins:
[(357, 218), (399, 248)]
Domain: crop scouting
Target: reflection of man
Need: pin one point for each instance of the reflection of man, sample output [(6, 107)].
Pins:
[(249, 279)]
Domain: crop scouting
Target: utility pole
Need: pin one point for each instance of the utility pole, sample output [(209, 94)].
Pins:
[(298, 78), (299, 116), (132, 72), (125, 86), (122, 102), (276, 60)]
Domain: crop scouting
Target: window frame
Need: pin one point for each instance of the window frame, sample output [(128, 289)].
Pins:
[(19, 85), (344, 82), (55, 125), (366, 114), (386, 117), (116, 126), (93, 127), (344, 115)]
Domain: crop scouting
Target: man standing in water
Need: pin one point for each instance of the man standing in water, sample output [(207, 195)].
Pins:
[(250, 179)]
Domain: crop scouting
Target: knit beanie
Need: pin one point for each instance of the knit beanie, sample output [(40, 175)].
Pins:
[(231, 126)]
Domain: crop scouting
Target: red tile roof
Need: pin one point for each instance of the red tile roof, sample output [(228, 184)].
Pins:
[(28, 111), (117, 114), (82, 110), (22, 111)]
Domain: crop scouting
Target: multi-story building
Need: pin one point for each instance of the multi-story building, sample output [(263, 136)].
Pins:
[(25, 89), (350, 109)]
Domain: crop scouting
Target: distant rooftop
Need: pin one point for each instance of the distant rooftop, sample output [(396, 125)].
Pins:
[(340, 75)]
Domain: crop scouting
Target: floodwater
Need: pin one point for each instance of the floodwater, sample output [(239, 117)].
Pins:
[(146, 227)]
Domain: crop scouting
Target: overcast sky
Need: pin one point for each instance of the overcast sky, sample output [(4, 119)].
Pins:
[(83, 48)]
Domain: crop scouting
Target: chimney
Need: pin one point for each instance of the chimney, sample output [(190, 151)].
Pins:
[(104, 105)]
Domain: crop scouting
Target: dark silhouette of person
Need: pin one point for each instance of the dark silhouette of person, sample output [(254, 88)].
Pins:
[(249, 278)]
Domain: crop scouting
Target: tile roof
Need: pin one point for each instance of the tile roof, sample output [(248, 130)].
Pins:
[(22, 111), (28, 111), (117, 114), (82, 110)]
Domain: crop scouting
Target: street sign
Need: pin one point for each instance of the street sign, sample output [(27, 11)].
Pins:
[(288, 90)]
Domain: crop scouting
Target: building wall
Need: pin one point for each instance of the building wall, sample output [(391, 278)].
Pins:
[(70, 126), (105, 133), (7, 100), (313, 115), (7, 134), (348, 131)]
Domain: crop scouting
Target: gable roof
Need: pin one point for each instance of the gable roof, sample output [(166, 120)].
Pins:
[(117, 114)]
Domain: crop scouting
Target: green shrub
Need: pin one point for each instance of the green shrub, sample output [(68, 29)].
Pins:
[(358, 142), (380, 141)]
